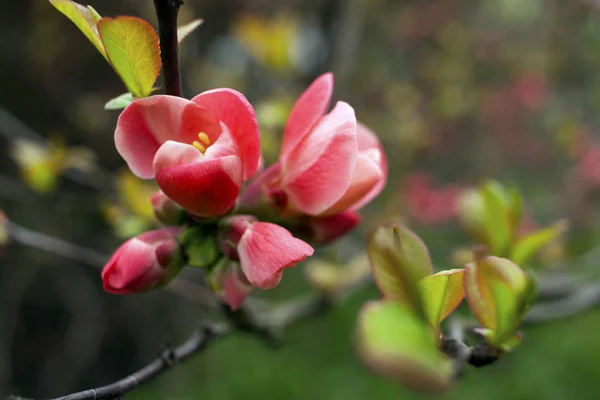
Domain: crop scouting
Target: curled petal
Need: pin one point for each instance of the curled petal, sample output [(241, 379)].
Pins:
[(205, 187), (307, 111), (367, 141), (319, 170), (266, 249), (367, 175), (149, 122), (234, 110)]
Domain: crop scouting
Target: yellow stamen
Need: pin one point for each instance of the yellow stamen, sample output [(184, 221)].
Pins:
[(204, 141), (204, 138), (199, 146)]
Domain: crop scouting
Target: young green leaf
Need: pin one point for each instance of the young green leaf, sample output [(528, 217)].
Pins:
[(441, 293), (184, 30), (471, 212), (498, 293), (396, 343), (119, 102), (529, 245), (85, 18), (497, 219), (133, 51), (515, 201), (399, 259)]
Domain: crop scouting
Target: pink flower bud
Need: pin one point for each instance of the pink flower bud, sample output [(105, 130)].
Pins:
[(231, 285), (144, 262), (328, 229), (166, 210)]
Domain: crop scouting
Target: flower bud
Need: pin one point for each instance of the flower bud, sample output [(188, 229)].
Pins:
[(230, 284), (144, 262), (327, 229), (166, 211), (230, 235)]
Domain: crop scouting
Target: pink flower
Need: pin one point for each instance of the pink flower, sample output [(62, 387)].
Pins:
[(328, 163), (588, 167), (199, 151), (263, 249), (144, 262), (428, 205), (232, 287)]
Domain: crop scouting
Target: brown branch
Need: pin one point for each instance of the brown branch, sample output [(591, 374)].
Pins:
[(166, 360), (179, 286), (166, 11)]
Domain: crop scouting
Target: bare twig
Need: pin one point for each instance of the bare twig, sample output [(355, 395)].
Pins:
[(580, 299), (166, 359), (182, 287)]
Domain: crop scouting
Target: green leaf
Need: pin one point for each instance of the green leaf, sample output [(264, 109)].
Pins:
[(497, 220), (441, 293), (498, 293), (85, 18), (119, 102), (529, 245), (471, 212), (184, 30), (399, 259), (515, 200), (396, 343), (133, 51), (200, 246)]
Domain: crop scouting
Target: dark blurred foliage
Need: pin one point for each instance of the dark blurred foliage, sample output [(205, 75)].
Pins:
[(463, 89)]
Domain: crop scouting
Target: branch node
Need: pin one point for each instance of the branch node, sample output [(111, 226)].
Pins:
[(167, 354)]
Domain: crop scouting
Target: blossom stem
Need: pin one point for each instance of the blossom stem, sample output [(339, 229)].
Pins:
[(166, 11)]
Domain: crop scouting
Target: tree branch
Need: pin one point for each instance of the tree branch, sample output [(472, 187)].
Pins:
[(167, 359), (166, 11), (180, 286)]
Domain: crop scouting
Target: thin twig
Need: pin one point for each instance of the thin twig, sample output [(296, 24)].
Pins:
[(166, 11), (182, 287), (580, 299), (166, 359)]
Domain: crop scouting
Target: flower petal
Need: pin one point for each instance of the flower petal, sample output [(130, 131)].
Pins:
[(233, 109), (367, 140), (319, 170), (266, 249), (206, 187), (307, 111), (367, 175), (149, 122)]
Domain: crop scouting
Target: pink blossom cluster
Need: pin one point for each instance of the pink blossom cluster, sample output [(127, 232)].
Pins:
[(427, 204), (204, 154)]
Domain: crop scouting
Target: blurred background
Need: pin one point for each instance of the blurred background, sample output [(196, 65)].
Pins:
[(457, 90)]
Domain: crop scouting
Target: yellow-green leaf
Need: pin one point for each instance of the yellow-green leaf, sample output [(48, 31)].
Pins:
[(529, 245), (132, 49), (399, 259), (498, 293), (184, 30), (85, 18), (441, 293), (396, 343), (497, 219), (119, 102)]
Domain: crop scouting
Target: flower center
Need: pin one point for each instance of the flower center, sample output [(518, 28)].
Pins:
[(202, 143)]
